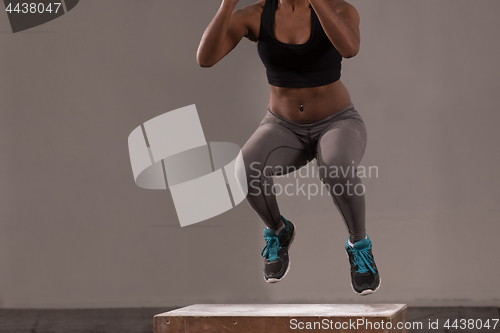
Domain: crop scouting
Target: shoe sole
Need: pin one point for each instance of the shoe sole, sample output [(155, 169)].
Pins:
[(274, 280), (367, 291)]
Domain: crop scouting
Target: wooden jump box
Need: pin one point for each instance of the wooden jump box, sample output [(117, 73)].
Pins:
[(278, 318)]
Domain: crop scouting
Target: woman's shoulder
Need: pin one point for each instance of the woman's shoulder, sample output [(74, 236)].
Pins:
[(252, 10), (340, 5)]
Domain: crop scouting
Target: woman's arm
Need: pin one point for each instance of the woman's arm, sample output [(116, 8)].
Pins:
[(222, 34), (340, 25)]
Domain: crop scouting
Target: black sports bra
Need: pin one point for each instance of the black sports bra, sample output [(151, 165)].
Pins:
[(312, 64)]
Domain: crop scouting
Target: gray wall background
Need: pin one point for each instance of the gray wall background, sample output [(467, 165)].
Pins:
[(75, 230)]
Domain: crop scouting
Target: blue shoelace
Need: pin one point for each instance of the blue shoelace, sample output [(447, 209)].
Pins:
[(271, 248), (363, 260)]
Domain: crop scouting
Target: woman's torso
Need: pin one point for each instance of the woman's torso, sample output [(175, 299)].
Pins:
[(299, 105)]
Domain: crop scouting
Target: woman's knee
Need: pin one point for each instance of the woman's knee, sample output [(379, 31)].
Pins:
[(248, 172), (240, 173), (337, 166)]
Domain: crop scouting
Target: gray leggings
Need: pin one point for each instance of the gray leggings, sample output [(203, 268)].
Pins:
[(279, 146)]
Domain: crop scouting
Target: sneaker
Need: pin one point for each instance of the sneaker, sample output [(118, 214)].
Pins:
[(365, 279), (277, 263)]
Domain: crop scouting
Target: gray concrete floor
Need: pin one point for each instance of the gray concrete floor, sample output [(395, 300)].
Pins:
[(141, 320)]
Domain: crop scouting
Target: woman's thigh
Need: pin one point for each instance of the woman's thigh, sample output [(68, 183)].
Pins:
[(273, 150), (341, 146)]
